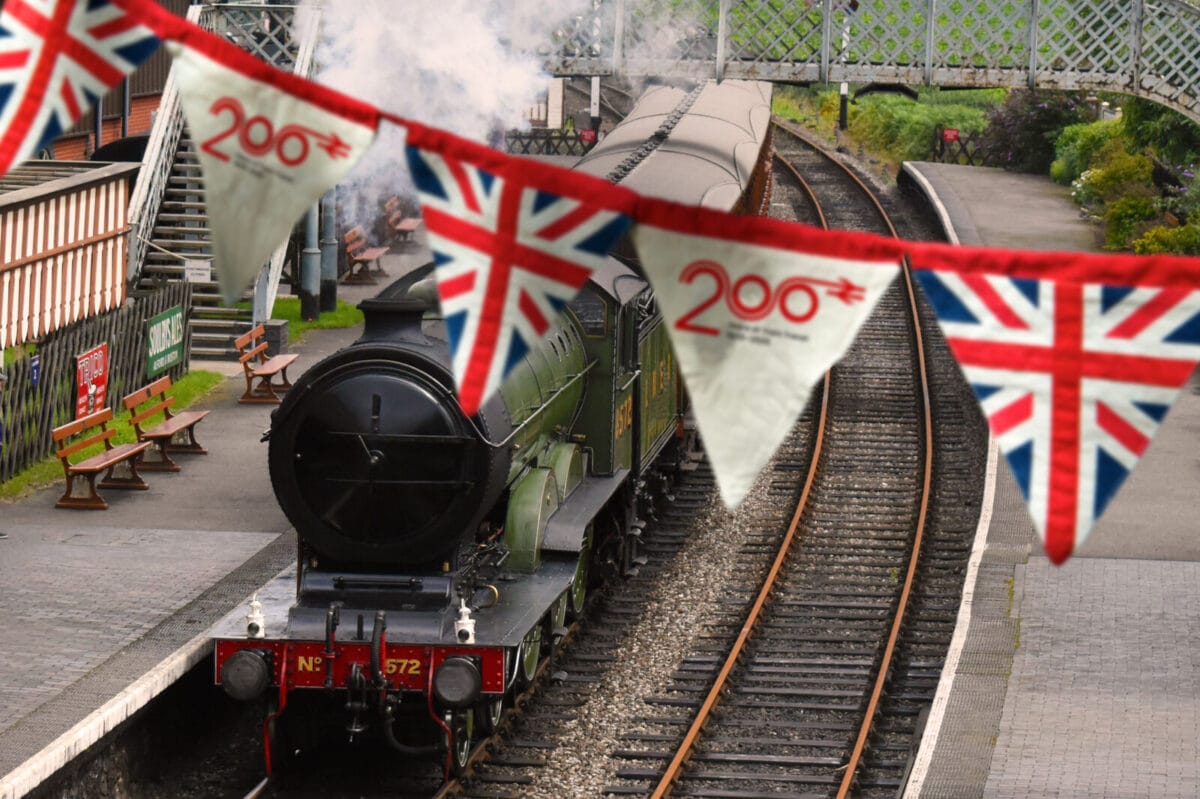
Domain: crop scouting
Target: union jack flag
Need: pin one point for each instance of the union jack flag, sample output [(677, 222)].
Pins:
[(58, 58), (513, 241), (1074, 378)]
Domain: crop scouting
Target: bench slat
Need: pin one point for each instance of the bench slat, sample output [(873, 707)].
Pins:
[(84, 443), (158, 407), (101, 461), (169, 427), (253, 353)]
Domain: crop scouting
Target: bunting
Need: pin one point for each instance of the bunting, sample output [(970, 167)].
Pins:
[(757, 311), (267, 141), (1075, 358), (57, 59), (1074, 374), (514, 240)]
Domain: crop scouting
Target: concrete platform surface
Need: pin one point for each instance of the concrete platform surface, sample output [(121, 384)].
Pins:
[(1082, 680), (103, 610)]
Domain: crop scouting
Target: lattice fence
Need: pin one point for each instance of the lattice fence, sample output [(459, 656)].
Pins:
[(547, 142), (1149, 49), (30, 413)]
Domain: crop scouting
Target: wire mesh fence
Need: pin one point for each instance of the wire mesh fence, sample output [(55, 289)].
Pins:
[(41, 392)]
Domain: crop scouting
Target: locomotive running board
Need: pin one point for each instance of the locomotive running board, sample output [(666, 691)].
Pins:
[(564, 529)]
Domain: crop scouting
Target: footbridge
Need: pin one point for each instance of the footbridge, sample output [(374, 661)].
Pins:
[(1147, 49)]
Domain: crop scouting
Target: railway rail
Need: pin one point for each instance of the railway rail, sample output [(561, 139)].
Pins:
[(797, 702), (789, 722)]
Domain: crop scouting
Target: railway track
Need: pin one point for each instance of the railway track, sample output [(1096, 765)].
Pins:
[(822, 688), (787, 724)]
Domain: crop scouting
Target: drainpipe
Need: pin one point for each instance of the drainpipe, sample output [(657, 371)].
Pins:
[(310, 268), (329, 273)]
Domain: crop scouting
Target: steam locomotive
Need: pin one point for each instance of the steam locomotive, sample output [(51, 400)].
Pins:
[(440, 556)]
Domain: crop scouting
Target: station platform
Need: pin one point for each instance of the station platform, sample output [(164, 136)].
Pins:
[(1080, 680), (101, 611)]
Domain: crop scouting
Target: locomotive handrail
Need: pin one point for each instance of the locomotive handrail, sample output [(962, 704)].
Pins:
[(496, 445), (632, 378)]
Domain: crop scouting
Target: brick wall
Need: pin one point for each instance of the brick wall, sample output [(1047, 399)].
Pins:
[(79, 147)]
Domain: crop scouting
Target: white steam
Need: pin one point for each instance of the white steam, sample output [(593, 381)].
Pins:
[(462, 65)]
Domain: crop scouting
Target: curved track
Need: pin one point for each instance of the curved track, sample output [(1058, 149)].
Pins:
[(796, 705)]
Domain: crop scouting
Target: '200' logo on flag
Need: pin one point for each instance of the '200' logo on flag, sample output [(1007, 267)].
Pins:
[(256, 136), (796, 299)]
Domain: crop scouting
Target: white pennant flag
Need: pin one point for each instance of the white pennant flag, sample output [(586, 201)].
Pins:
[(270, 144), (757, 311)]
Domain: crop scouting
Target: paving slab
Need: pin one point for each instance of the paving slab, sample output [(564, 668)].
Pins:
[(1081, 680), (102, 610)]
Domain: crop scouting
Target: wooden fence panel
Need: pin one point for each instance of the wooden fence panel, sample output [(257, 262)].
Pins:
[(30, 413), (62, 250), (961, 148)]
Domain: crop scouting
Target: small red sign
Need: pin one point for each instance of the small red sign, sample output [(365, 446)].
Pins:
[(587, 135), (92, 380), (949, 134)]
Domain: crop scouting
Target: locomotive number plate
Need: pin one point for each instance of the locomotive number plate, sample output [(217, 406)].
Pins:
[(306, 664)]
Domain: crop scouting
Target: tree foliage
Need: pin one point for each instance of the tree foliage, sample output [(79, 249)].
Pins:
[(1022, 133)]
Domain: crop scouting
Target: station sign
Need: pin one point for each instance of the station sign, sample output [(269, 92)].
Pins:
[(164, 341), (949, 134), (197, 271), (91, 370), (35, 369), (587, 135)]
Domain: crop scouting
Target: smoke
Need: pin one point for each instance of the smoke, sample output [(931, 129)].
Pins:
[(467, 66)]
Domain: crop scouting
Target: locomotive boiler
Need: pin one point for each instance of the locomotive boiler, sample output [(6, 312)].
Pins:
[(440, 555)]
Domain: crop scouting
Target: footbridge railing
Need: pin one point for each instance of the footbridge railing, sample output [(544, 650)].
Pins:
[(1138, 47)]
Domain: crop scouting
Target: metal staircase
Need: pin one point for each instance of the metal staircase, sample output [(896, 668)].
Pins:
[(181, 232), (168, 214)]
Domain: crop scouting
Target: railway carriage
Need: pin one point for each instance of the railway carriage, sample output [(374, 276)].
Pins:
[(440, 556)]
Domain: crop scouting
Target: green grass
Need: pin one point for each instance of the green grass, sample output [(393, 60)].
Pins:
[(345, 315), (10, 354), (189, 388)]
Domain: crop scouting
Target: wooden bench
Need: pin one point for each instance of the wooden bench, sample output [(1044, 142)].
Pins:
[(362, 260), (176, 432), (119, 463), (258, 366), (406, 228), (401, 227)]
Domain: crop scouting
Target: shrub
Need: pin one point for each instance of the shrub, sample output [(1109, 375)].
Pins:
[(901, 129), (1079, 147), (1121, 174), (1174, 138), (1021, 134), (1180, 240), (1124, 220)]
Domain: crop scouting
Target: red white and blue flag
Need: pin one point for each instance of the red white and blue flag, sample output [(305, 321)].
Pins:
[(58, 58), (1075, 360), (514, 240)]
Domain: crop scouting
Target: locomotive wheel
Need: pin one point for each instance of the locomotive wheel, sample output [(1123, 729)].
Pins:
[(578, 590), (488, 715), (529, 654), (558, 614)]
